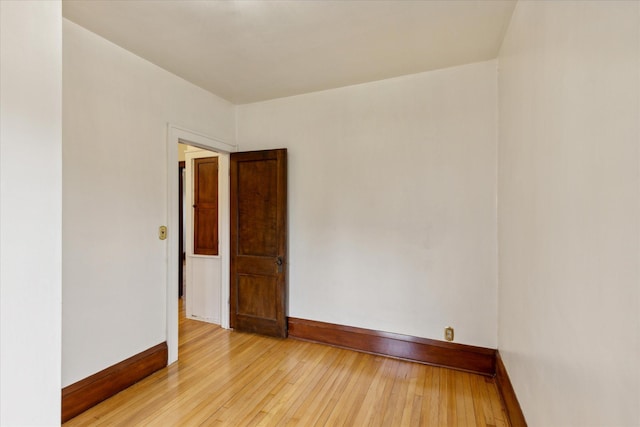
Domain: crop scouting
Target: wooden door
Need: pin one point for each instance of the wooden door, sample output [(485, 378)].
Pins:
[(205, 207), (259, 242)]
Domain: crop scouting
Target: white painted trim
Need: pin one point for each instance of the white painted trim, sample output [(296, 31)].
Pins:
[(176, 134), (204, 319)]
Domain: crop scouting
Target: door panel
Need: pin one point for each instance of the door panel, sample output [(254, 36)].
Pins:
[(205, 236), (253, 290), (257, 210), (259, 241), (205, 214)]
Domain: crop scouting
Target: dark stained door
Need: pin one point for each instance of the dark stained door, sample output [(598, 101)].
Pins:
[(259, 242), (205, 213), (181, 166)]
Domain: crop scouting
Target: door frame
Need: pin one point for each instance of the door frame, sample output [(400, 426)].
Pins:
[(181, 248), (177, 134)]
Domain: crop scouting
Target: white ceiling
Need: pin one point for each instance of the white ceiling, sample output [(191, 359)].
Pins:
[(247, 51)]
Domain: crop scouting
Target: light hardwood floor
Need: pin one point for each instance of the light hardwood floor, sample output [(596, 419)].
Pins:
[(237, 379)]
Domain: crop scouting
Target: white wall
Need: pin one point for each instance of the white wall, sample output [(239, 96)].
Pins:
[(569, 211), (392, 190), (114, 265), (30, 211)]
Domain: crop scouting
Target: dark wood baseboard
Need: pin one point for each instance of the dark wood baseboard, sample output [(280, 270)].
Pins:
[(80, 396), (508, 395), (468, 358)]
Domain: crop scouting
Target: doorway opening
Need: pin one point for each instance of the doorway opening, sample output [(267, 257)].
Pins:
[(178, 135), (202, 195)]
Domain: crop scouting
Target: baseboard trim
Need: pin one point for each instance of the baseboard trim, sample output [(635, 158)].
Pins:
[(468, 358), (508, 395), (86, 393)]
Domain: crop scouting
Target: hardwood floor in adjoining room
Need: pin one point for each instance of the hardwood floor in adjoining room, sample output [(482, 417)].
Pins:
[(238, 379)]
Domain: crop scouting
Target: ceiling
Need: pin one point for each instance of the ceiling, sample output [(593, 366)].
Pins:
[(247, 51)]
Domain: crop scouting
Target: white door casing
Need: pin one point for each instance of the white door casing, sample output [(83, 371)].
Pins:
[(175, 135)]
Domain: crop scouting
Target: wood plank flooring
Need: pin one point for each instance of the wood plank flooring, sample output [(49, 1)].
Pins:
[(235, 379)]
